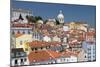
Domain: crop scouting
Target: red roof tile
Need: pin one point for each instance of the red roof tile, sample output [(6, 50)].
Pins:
[(90, 33), (37, 44), (43, 55), (70, 53), (22, 25)]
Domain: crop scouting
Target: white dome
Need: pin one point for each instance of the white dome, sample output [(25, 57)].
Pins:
[(60, 15), (40, 21)]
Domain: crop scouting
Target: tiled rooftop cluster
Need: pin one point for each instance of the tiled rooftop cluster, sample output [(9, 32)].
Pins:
[(44, 43)]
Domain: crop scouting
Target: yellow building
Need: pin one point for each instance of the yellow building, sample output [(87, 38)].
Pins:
[(22, 39), (78, 26), (27, 48)]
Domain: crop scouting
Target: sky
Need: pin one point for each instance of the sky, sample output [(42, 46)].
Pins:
[(71, 12)]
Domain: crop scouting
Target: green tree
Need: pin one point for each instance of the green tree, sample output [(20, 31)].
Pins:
[(32, 19)]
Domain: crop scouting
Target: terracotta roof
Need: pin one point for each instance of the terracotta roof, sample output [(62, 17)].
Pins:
[(22, 25), (46, 34), (52, 44), (18, 35), (91, 33), (74, 43), (81, 37), (44, 55), (69, 53), (37, 44), (45, 26)]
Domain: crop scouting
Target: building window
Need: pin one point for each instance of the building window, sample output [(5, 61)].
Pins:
[(32, 49), (89, 53), (35, 35), (85, 56), (89, 57), (23, 32), (35, 48), (47, 47), (25, 59), (94, 56), (18, 32), (13, 32), (21, 43), (28, 32), (16, 62), (41, 48), (18, 53), (21, 60)]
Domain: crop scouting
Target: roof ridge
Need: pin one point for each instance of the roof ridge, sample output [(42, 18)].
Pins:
[(50, 54)]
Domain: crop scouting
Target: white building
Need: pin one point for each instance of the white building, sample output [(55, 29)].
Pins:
[(13, 41), (16, 13), (65, 28), (37, 35), (90, 49), (21, 30), (67, 59), (56, 38), (46, 38), (18, 57), (82, 56)]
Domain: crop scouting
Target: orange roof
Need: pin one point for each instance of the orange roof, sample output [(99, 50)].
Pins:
[(74, 42), (91, 33), (70, 53), (55, 43), (81, 37), (36, 44), (44, 55), (22, 25), (18, 35)]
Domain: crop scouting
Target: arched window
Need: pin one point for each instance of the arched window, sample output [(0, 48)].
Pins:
[(21, 60), (16, 61), (25, 59), (18, 32), (23, 32)]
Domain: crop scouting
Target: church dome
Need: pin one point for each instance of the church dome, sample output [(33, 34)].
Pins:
[(40, 21), (60, 15)]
